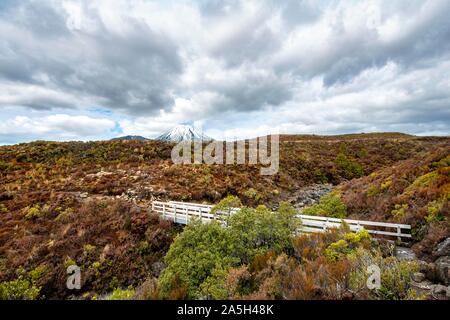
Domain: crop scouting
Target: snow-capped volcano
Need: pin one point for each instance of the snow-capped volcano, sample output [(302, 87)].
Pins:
[(183, 133)]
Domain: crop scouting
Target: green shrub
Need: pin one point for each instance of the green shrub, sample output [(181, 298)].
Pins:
[(330, 205), (252, 194), (434, 211), (193, 256), (202, 252), (395, 275), (399, 210), (19, 289), (260, 230), (64, 216), (36, 212), (424, 181), (346, 246), (372, 191), (88, 248), (69, 262), (226, 204), (24, 287), (386, 185), (3, 209), (336, 249), (352, 169), (121, 294), (4, 166), (214, 287)]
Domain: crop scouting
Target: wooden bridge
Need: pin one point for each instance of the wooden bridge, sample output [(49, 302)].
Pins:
[(183, 212)]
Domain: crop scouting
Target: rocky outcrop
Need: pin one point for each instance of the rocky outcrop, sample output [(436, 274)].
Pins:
[(443, 269), (443, 248), (309, 195)]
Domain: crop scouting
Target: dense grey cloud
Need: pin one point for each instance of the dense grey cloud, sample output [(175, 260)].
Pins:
[(132, 69), (298, 66)]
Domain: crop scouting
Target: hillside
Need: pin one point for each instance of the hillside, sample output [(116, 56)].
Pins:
[(414, 191), (63, 203)]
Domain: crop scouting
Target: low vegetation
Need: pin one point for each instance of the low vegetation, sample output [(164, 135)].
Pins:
[(86, 204)]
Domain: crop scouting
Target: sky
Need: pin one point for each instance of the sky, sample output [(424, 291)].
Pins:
[(98, 69)]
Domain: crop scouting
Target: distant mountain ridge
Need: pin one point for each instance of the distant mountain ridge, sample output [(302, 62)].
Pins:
[(183, 133), (140, 138)]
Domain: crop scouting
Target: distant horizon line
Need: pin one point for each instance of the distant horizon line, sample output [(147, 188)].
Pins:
[(237, 139)]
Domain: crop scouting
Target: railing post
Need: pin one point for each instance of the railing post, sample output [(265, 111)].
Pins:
[(186, 208), (399, 233), (175, 213), (164, 210)]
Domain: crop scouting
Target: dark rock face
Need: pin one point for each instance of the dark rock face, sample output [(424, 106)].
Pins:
[(403, 253), (443, 269), (443, 248), (310, 195)]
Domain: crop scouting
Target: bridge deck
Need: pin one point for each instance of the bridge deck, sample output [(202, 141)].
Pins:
[(183, 212)]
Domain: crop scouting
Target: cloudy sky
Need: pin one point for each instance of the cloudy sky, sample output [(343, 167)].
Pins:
[(97, 69)]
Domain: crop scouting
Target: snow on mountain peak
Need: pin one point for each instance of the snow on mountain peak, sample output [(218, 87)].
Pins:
[(183, 133)]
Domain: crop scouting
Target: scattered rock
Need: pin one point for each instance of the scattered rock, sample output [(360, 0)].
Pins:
[(418, 277), (106, 250), (387, 247), (428, 269), (157, 268), (424, 286), (98, 174), (84, 195), (403, 253), (439, 289), (310, 195), (443, 269), (443, 248)]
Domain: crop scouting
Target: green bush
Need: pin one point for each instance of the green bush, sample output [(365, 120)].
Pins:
[(3, 209), (395, 275), (252, 194), (204, 252), (226, 204), (19, 289), (260, 230), (35, 212), (434, 209), (121, 294), (193, 256), (351, 169), (386, 185), (24, 287), (346, 246), (372, 191), (399, 211), (330, 205)]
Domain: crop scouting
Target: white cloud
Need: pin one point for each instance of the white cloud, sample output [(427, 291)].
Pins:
[(298, 66), (56, 126)]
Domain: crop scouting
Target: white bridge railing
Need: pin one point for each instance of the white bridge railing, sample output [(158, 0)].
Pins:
[(183, 212)]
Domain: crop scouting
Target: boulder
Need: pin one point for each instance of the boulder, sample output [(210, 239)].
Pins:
[(403, 253), (418, 276), (157, 268), (443, 248), (443, 269), (428, 269), (439, 289)]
